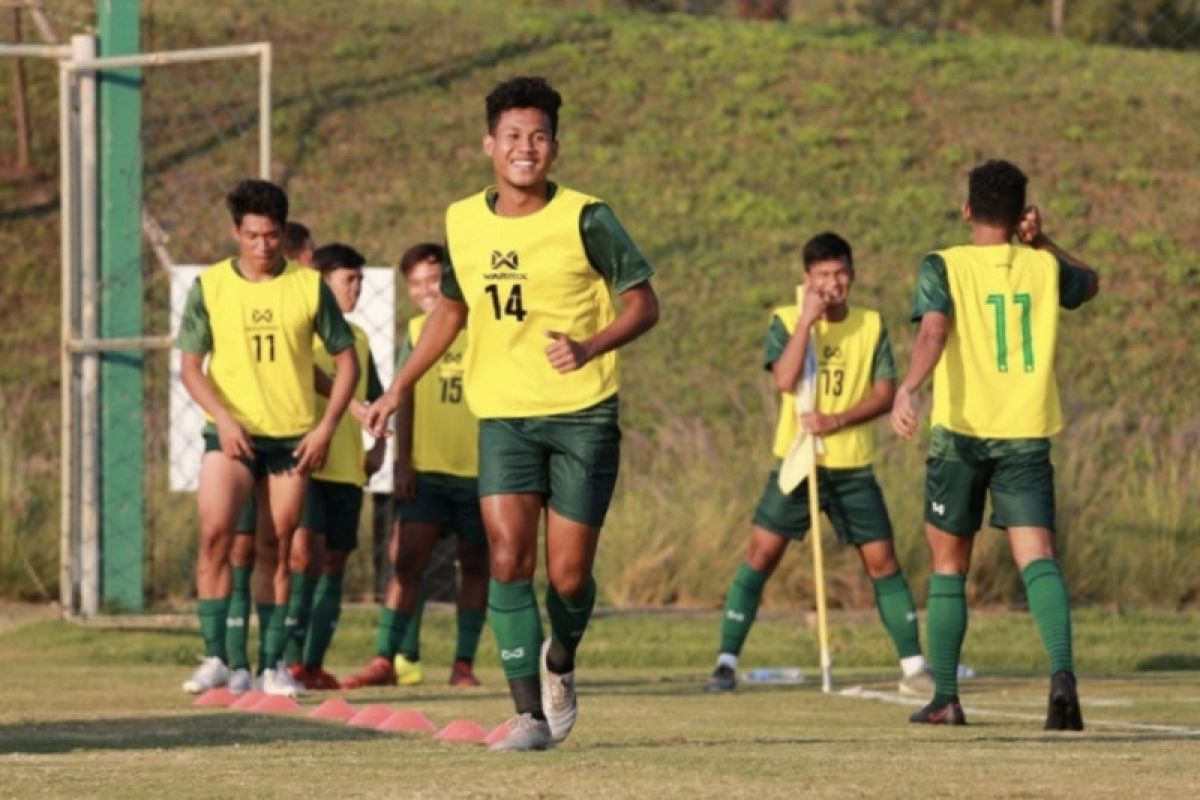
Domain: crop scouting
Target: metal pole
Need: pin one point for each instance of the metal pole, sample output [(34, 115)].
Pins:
[(264, 113), (84, 47), (67, 561)]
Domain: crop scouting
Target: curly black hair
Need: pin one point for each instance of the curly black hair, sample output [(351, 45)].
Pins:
[(258, 197), (295, 234), (425, 251), (337, 256), (524, 92), (827, 246), (996, 193)]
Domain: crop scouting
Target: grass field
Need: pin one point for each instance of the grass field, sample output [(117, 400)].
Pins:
[(97, 711)]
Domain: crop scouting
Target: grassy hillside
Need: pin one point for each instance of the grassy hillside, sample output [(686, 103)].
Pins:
[(723, 146)]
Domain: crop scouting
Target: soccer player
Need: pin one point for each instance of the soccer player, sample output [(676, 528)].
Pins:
[(436, 491), (855, 385), (988, 314), (298, 244), (328, 530), (255, 316), (536, 265)]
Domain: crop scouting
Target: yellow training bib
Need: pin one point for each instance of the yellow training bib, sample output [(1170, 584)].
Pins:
[(845, 358), (995, 378), (522, 277), (261, 361), (345, 461), (445, 435)]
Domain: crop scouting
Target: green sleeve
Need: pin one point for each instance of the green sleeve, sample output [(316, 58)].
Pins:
[(777, 339), (405, 352), (330, 324), (883, 365), (374, 385), (933, 288), (1073, 285), (450, 288), (195, 331), (610, 249)]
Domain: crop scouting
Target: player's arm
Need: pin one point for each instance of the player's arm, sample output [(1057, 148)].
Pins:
[(377, 453), (932, 306), (323, 385), (1081, 283), (612, 253), (339, 342), (195, 342), (445, 321), (404, 485), (789, 367)]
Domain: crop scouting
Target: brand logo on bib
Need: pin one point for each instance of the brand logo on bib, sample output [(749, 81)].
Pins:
[(509, 259), (261, 315)]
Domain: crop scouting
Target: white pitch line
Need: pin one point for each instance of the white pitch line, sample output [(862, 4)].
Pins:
[(897, 699)]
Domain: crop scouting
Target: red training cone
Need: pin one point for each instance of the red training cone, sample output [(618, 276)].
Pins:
[(274, 704), (247, 700), (215, 697), (407, 721), (336, 708), (498, 733), (462, 730), (370, 716)]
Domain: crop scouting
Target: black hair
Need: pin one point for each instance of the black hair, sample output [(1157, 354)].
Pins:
[(337, 256), (425, 251), (295, 234), (827, 246), (996, 193), (258, 197), (524, 92)]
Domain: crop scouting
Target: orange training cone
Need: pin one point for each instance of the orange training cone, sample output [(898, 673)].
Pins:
[(462, 730), (336, 708), (369, 716), (407, 721), (215, 697)]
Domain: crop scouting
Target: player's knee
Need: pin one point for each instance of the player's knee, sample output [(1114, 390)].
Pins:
[(571, 585), (335, 562), (508, 565)]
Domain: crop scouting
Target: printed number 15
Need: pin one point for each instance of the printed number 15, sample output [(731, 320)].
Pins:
[(1025, 301)]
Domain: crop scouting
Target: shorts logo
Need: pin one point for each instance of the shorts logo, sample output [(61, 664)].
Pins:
[(910, 616), (512, 655), (938, 508), (261, 315), (736, 616), (509, 259), (234, 622)]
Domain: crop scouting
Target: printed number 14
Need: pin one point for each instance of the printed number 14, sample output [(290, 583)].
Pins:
[(1025, 301)]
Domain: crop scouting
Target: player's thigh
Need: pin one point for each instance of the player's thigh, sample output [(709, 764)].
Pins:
[(224, 487), (570, 553), (511, 521), (585, 454), (854, 502), (285, 498), (343, 509), (784, 515), (1022, 488), (416, 544), (466, 519)]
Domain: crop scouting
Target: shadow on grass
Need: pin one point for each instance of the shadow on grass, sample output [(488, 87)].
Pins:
[(1165, 662), (159, 733)]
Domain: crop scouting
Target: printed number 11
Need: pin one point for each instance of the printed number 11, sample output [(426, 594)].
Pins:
[(1025, 301)]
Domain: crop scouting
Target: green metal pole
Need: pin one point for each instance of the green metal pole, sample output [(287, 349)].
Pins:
[(122, 469)]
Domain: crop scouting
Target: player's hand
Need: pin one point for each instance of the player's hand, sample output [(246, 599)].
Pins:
[(815, 303), (820, 424), (358, 409), (310, 453), (374, 460), (565, 354), (375, 419), (405, 486), (235, 442), (904, 413), (1029, 228)]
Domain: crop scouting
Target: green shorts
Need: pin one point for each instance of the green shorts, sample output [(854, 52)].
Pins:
[(271, 456), (960, 471), (333, 509), (447, 500), (851, 498), (571, 459)]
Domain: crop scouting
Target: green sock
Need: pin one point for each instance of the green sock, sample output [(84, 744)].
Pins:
[(276, 638), (1050, 605), (390, 633), (300, 596), (946, 626), (237, 622), (326, 608), (898, 613), (470, 626), (741, 606), (410, 645), (212, 615), (266, 612), (517, 626), (568, 622)]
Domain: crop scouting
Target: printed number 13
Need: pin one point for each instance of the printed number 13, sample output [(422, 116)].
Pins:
[(1025, 301)]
